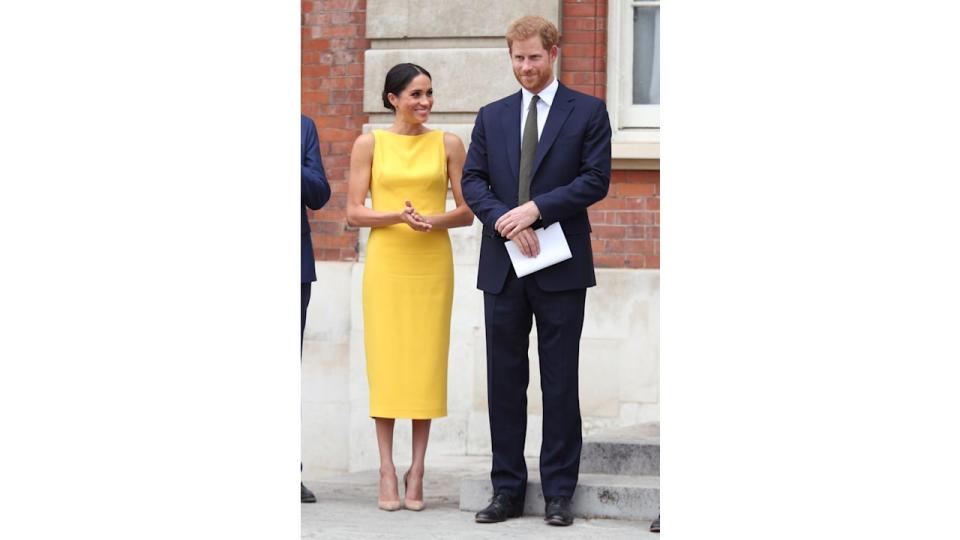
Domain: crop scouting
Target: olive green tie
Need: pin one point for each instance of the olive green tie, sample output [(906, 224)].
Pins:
[(528, 149)]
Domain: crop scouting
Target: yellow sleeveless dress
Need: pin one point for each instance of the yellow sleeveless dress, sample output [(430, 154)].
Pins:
[(408, 281)]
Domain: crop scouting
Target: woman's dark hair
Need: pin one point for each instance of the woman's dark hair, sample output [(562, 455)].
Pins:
[(398, 78)]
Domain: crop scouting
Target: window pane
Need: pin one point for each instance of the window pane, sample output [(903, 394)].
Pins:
[(646, 55)]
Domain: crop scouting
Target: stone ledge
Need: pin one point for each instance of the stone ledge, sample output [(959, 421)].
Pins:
[(408, 19), (610, 457)]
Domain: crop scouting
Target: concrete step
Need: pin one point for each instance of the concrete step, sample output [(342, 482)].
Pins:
[(634, 497), (633, 450)]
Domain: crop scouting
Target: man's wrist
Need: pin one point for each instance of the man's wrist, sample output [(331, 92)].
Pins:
[(536, 209)]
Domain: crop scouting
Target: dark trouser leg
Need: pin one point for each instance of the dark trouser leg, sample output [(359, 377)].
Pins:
[(559, 325), (304, 302), (508, 321)]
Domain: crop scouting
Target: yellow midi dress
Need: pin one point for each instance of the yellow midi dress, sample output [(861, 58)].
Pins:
[(408, 281)]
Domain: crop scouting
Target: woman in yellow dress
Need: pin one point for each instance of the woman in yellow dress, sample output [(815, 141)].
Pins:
[(408, 276)]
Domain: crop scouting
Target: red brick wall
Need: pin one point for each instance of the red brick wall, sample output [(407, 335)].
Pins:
[(331, 92), (626, 224), (583, 46)]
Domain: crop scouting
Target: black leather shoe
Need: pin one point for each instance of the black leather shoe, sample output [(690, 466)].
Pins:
[(502, 507), (655, 526), (558, 511), (306, 496)]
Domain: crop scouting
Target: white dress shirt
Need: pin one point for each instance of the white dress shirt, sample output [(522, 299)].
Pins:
[(543, 106)]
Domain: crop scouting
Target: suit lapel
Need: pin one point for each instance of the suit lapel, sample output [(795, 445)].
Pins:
[(559, 111), (511, 134)]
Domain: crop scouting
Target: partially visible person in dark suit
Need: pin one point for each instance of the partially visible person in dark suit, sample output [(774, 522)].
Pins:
[(537, 157), (314, 193)]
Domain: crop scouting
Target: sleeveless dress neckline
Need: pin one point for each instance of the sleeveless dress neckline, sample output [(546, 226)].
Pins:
[(405, 135)]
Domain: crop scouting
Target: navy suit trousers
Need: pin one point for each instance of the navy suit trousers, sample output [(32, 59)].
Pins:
[(304, 302), (509, 316)]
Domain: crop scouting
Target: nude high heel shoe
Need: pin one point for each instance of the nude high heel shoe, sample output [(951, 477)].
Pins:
[(416, 506), (389, 506)]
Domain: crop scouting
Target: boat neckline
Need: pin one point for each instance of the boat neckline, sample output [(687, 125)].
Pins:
[(405, 135)]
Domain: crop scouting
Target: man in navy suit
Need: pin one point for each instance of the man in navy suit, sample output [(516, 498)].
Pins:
[(537, 157), (314, 193)]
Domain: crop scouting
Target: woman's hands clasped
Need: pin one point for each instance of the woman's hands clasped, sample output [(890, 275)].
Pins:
[(411, 217)]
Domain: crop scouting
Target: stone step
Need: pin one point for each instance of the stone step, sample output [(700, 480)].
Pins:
[(633, 497), (633, 450)]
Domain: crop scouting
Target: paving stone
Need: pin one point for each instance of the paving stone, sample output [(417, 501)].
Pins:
[(346, 509)]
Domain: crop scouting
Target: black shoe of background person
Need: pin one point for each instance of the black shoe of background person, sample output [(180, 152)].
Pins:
[(501, 508), (655, 526), (559, 511), (306, 496)]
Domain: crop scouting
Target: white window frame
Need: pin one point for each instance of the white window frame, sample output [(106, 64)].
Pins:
[(636, 128)]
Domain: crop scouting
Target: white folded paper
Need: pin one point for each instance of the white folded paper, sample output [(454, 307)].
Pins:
[(553, 249)]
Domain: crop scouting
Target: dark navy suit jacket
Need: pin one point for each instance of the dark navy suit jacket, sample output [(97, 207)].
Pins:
[(571, 171), (314, 193)]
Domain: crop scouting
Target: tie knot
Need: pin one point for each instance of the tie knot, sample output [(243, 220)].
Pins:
[(534, 100)]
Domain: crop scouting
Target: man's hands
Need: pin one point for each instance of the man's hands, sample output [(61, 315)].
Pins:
[(515, 225), (519, 218), (528, 242), (411, 217)]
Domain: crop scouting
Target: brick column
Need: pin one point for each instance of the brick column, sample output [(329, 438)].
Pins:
[(583, 46), (332, 46)]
